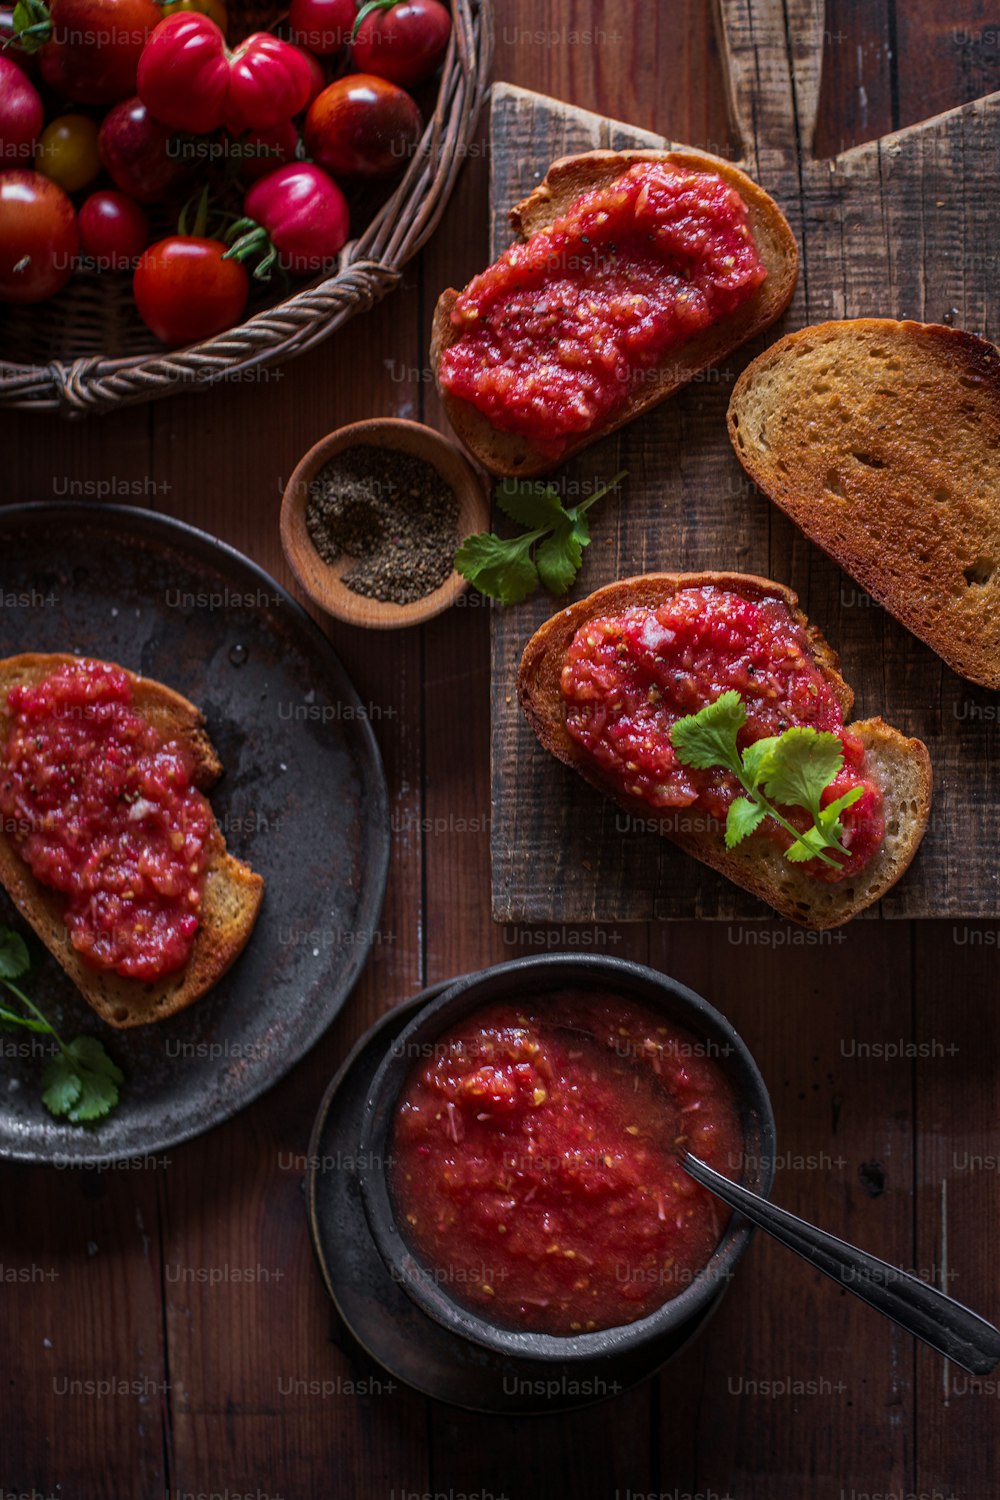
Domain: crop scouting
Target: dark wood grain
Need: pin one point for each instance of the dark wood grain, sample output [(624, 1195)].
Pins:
[(117, 1305), (898, 227)]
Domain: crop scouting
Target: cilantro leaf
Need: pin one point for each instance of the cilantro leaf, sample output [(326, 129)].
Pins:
[(61, 1085), (792, 769), (756, 759), (743, 817), (89, 1051), (530, 502), (506, 568), (808, 845), (81, 1082), (801, 766), (560, 556), (708, 738), (14, 959), (503, 570)]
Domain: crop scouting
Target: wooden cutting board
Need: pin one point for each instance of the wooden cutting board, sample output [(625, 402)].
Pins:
[(904, 226)]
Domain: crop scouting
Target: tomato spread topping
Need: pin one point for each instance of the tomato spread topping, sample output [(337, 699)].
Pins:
[(628, 678), (534, 1167), (104, 812), (554, 337)]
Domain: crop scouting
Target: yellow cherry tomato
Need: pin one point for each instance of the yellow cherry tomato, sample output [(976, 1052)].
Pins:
[(214, 9), (68, 152)]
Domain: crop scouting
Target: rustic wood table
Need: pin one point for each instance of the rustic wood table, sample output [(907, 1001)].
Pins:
[(189, 1285)]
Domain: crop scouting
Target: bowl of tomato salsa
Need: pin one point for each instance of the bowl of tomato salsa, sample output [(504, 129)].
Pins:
[(520, 1144)]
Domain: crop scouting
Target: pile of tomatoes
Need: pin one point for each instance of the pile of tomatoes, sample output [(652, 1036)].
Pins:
[(111, 110)]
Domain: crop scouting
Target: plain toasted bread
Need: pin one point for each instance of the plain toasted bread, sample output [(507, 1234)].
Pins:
[(232, 892), (881, 440), (510, 454), (901, 766)]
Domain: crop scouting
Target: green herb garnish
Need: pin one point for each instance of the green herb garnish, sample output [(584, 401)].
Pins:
[(550, 551), (81, 1082), (794, 769)]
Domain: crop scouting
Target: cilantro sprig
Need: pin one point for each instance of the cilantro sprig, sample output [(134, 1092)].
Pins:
[(549, 552), (793, 769), (80, 1083)]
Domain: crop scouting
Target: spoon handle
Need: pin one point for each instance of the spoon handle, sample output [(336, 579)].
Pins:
[(915, 1305)]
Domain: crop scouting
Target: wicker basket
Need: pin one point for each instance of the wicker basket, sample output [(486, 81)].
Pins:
[(86, 350)]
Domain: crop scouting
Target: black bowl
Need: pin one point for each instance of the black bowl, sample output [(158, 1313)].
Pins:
[(535, 976)]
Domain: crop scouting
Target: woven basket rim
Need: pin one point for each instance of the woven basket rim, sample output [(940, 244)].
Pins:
[(368, 268)]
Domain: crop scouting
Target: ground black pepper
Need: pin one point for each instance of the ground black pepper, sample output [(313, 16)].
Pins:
[(393, 514)]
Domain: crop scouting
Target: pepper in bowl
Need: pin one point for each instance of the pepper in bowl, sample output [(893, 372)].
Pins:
[(371, 520)]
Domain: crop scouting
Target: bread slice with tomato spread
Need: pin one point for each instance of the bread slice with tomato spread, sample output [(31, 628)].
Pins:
[(508, 453), (900, 766), (881, 440), (231, 895)]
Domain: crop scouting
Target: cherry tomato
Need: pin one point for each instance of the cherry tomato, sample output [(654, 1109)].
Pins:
[(21, 115), (260, 151), (296, 216), (402, 40), (68, 152), (323, 26), (362, 126), (186, 291), (90, 49), (39, 238), (214, 9), (191, 80), (114, 231), (140, 155)]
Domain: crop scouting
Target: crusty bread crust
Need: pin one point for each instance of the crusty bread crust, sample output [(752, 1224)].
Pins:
[(881, 441), (510, 454), (901, 766), (232, 892)]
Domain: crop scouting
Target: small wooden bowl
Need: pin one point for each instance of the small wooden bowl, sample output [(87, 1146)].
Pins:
[(321, 580)]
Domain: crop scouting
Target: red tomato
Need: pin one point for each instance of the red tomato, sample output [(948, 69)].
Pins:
[(402, 40), (21, 114), (362, 126), (186, 291), (190, 79), (296, 215), (39, 238), (323, 26), (114, 231), (260, 151), (92, 48), (140, 155)]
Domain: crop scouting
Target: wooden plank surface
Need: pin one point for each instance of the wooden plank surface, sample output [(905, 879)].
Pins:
[(256, 1393), (900, 226)]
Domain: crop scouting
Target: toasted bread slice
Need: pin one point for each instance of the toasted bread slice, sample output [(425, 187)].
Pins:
[(901, 766), (510, 454), (232, 892), (881, 440)]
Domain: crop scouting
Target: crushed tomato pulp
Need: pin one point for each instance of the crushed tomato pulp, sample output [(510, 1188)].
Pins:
[(103, 811), (534, 1166), (554, 337), (628, 678)]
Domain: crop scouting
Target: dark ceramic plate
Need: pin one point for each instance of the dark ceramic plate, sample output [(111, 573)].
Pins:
[(302, 799), (380, 1325)]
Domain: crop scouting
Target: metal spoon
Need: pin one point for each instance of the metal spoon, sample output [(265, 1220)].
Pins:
[(961, 1335)]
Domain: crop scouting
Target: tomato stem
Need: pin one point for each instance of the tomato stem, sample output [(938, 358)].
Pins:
[(32, 26), (367, 9), (248, 238)]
